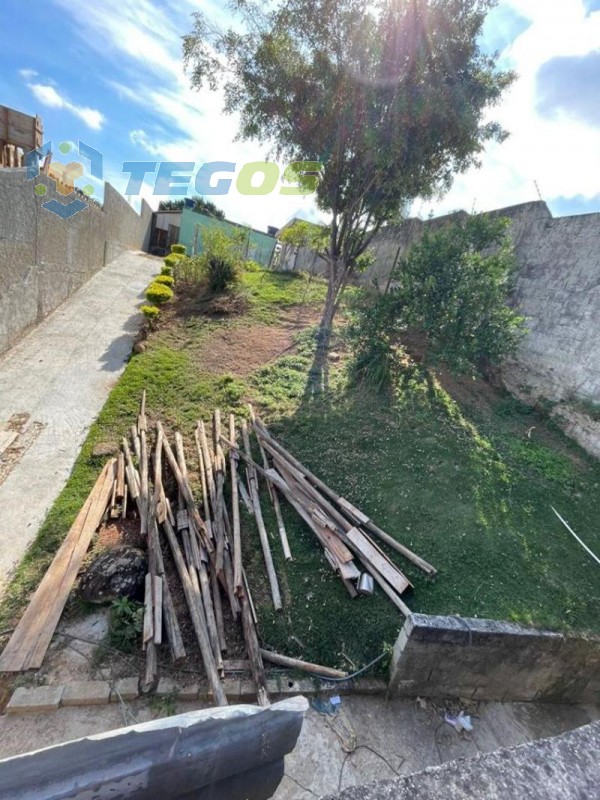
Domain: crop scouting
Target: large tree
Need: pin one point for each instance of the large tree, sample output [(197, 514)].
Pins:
[(390, 96), (201, 205)]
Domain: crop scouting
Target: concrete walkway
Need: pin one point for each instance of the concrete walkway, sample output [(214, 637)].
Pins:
[(392, 738), (53, 384)]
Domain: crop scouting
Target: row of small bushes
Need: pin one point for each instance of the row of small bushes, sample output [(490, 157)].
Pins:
[(161, 289)]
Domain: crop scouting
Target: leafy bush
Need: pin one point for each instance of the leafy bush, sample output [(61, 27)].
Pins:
[(166, 270), (126, 623), (221, 257), (179, 249), (150, 312), (172, 260), (452, 288), (219, 264), (157, 293), (166, 280), (252, 266)]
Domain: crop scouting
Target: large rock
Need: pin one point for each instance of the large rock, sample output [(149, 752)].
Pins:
[(116, 573)]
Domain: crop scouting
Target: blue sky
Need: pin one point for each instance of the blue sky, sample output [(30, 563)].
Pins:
[(110, 73)]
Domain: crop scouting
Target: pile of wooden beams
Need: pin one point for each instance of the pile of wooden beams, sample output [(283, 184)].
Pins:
[(202, 537)]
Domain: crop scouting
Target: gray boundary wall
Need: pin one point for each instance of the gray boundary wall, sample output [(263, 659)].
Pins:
[(557, 290), (488, 660), (44, 259)]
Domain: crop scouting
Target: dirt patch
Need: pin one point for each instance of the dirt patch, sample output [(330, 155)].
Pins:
[(240, 350)]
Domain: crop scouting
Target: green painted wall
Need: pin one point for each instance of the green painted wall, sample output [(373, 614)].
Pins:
[(260, 245)]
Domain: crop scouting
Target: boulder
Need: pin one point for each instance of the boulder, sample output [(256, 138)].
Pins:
[(115, 573)]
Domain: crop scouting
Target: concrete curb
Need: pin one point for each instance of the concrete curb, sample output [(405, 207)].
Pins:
[(41, 699)]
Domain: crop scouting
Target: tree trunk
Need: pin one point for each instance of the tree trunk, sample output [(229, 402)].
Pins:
[(326, 324)]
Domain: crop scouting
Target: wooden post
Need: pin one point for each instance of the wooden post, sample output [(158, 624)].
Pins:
[(235, 506), (262, 532), (197, 621)]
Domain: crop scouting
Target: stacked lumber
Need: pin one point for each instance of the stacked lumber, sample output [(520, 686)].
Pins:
[(196, 524)]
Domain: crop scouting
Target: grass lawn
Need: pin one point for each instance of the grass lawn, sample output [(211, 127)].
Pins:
[(462, 474)]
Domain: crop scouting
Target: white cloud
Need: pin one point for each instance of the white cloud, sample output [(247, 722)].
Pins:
[(558, 152), (49, 96), (28, 74)]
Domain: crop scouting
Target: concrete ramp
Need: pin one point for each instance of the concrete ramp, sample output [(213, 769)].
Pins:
[(53, 384)]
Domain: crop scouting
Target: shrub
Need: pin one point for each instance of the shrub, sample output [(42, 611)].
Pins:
[(166, 280), (172, 260), (158, 293), (252, 266), (453, 288), (178, 249), (166, 271), (150, 312)]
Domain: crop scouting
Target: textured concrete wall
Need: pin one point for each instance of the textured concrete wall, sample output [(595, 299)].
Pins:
[(44, 259), (488, 660), (565, 767)]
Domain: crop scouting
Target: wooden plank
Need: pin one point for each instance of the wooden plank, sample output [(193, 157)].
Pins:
[(185, 491), (148, 631), (211, 620), (254, 652), (287, 553), (120, 476), (396, 579), (218, 609), (28, 645), (305, 666), (235, 509), (157, 602), (169, 617), (262, 531), (197, 620), (135, 438)]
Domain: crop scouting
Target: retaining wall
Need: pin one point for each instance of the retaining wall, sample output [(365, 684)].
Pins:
[(488, 660), (44, 259)]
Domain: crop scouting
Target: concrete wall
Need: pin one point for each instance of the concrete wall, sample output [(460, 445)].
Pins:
[(565, 767), (488, 660), (44, 259)]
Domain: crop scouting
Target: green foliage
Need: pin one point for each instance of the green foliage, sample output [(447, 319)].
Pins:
[(306, 234), (166, 270), (179, 249), (252, 266), (158, 293), (550, 465), (453, 287), (202, 206), (150, 312), (172, 260), (166, 280), (126, 622)]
